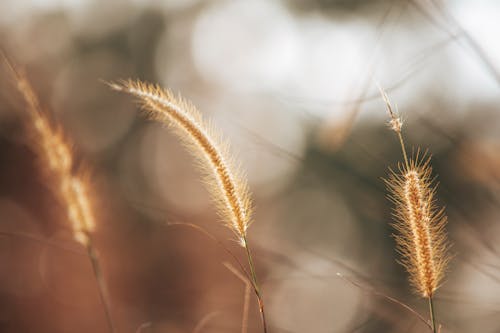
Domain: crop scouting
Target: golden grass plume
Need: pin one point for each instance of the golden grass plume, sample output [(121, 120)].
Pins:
[(421, 238), (224, 180), (420, 224), (70, 186), (55, 155)]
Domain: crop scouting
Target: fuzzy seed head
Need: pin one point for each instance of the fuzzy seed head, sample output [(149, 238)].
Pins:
[(421, 238), (225, 182), (55, 155), (396, 124)]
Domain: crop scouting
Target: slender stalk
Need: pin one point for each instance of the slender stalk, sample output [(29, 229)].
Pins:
[(246, 306), (246, 298), (401, 141), (421, 239), (227, 185), (387, 297), (433, 317), (255, 284), (100, 284)]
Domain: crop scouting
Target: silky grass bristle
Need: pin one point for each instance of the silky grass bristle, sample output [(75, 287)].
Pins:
[(225, 182), (421, 239)]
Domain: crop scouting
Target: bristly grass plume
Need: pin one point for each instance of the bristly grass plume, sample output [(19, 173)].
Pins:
[(226, 183), (420, 224), (55, 155), (421, 238), (54, 152)]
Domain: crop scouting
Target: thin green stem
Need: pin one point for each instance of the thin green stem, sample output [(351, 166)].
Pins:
[(433, 317), (255, 284), (100, 284)]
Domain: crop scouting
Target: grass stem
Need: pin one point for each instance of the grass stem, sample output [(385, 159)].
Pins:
[(433, 317), (401, 141), (255, 285), (101, 285)]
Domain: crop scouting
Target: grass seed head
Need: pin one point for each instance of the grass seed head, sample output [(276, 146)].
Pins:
[(224, 180), (421, 238), (56, 158)]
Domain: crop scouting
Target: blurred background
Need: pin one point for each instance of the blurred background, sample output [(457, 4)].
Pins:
[(293, 86)]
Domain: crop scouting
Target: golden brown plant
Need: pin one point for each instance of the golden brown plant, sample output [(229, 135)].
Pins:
[(54, 153), (70, 187), (421, 238), (420, 224), (225, 182)]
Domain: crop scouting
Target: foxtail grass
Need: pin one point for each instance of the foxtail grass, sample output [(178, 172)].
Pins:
[(225, 181), (54, 152), (421, 238)]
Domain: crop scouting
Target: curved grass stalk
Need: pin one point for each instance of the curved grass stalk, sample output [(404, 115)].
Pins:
[(226, 183)]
